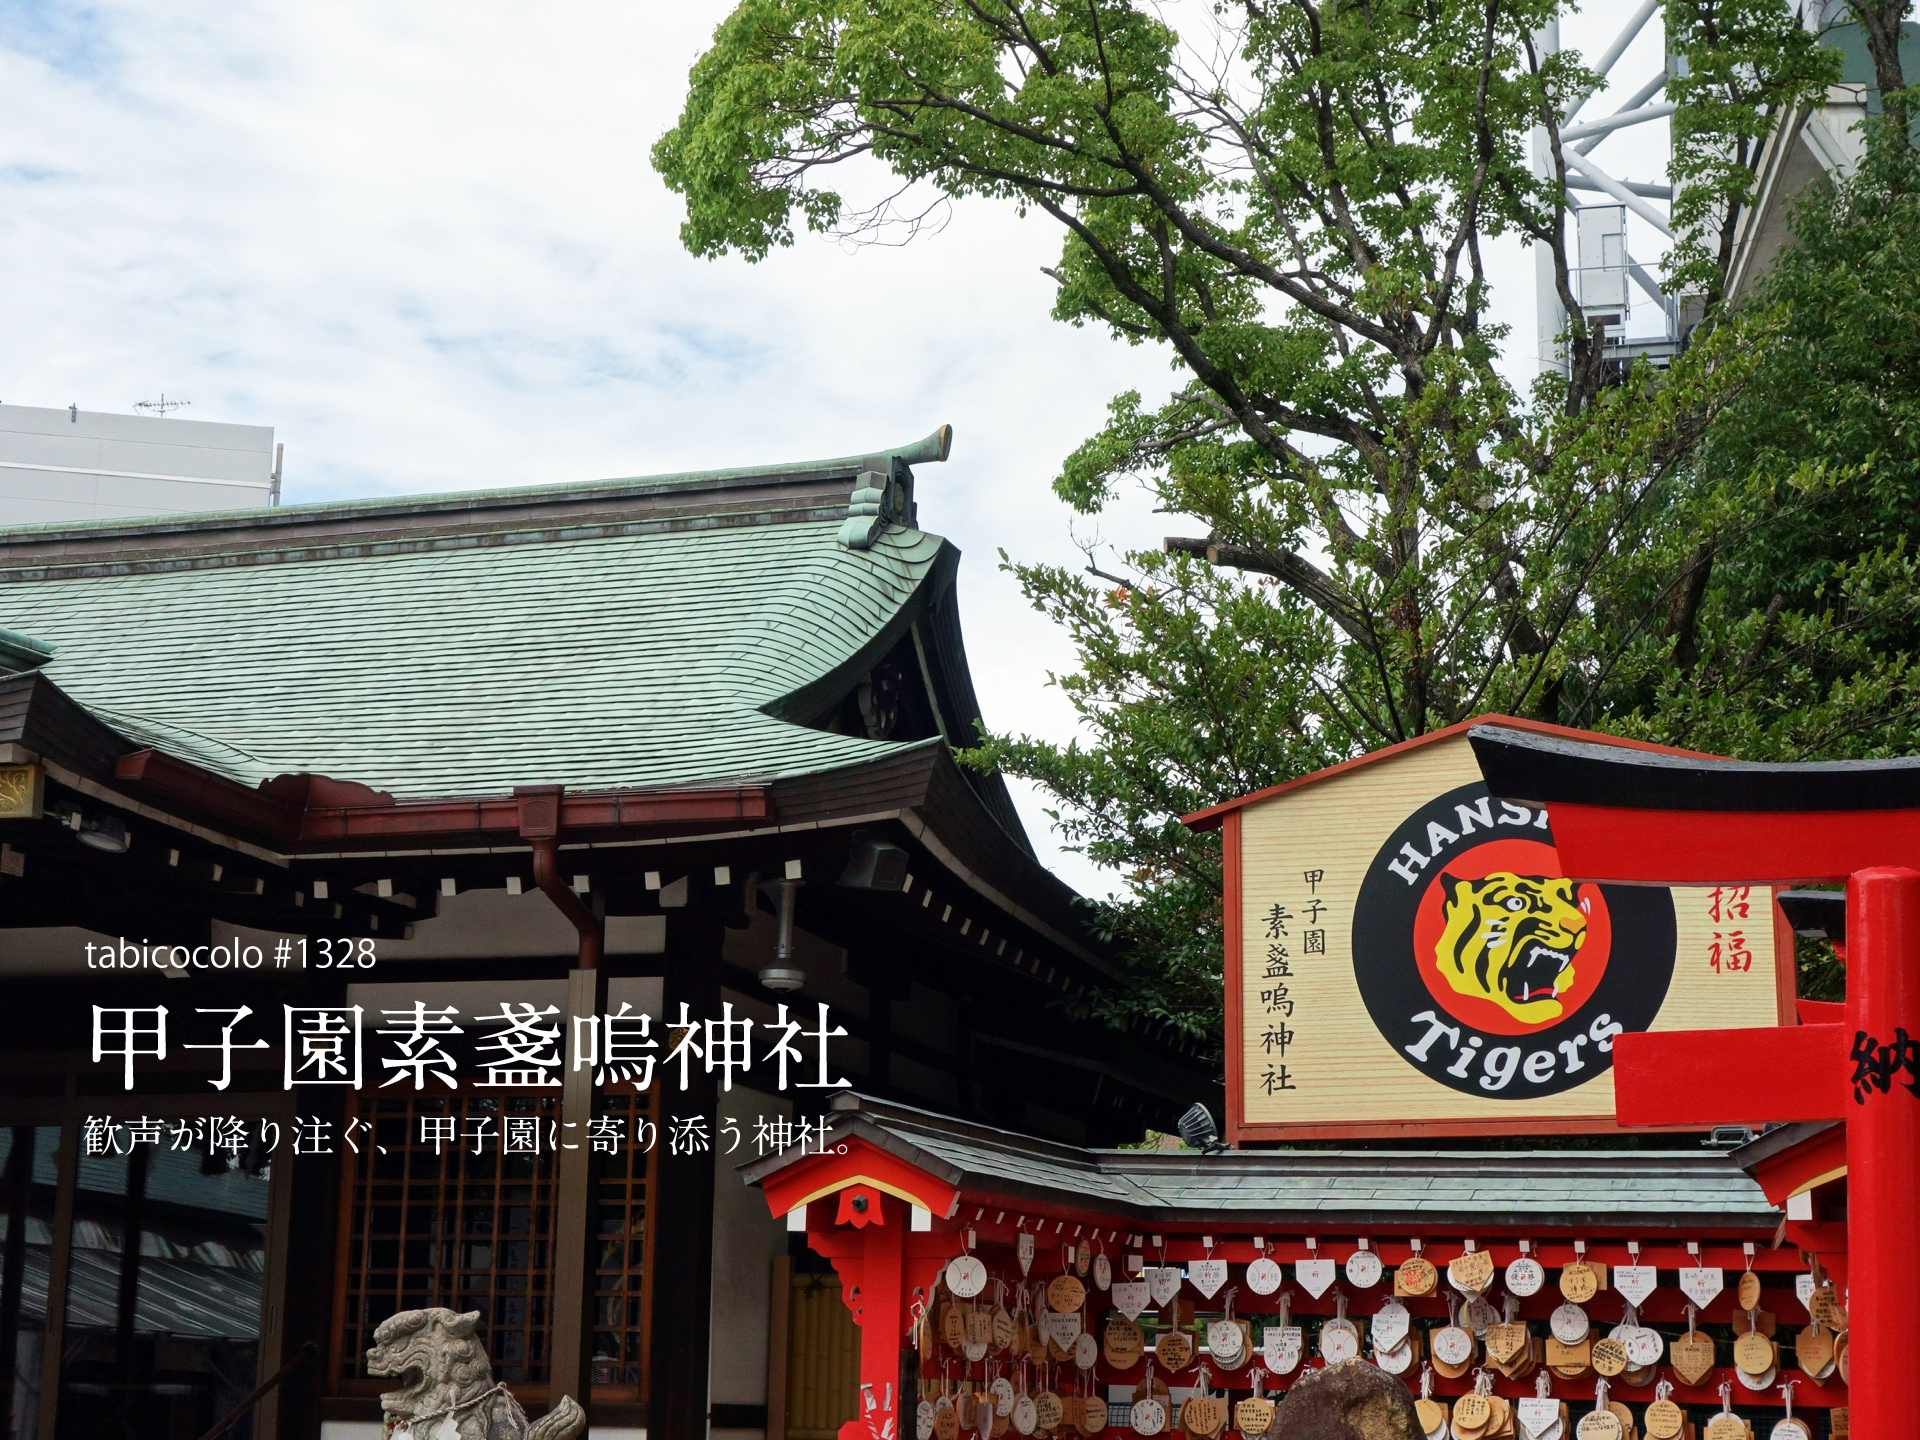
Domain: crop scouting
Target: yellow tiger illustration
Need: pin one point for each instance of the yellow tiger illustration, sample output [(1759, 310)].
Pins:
[(1511, 939)]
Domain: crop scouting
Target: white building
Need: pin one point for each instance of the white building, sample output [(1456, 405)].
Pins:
[(63, 466)]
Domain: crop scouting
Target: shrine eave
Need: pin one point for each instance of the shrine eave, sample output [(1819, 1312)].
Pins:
[(1523, 764), (1481, 1190)]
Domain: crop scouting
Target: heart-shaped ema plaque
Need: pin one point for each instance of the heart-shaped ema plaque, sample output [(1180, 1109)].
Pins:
[(1702, 1283), (1470, 1273), (1265, 1276), (1363, 1269), (1130, 1297), (1207, 1276), (1149, 1417), (966, 1276), (1163, 1282), (1315, 1276), (1281, 1347), (1636, 1282), (1204, 1416), (1174, 1350), (1691, 1356)]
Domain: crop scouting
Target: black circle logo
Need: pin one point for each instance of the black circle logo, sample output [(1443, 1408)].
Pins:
[(1490, 972)]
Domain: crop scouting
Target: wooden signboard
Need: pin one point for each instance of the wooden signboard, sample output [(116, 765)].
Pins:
[(1404, 955)]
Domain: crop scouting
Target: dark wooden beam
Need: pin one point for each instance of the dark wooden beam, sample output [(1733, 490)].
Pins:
[(681, 1232)]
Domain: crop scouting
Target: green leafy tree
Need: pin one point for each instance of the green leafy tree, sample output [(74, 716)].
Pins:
[(1296, 201)]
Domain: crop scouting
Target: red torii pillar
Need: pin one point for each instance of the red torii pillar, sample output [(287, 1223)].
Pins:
[(1631, 816)]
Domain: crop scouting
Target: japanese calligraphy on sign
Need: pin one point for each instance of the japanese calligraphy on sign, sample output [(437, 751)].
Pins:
[(1407, 951)]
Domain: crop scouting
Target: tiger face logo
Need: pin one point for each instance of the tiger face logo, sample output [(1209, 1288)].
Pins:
[(1512, 939)]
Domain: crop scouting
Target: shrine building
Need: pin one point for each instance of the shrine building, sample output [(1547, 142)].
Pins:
[(680, 747)]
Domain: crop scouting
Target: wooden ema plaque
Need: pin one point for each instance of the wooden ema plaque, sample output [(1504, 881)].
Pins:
[(1404, 953)]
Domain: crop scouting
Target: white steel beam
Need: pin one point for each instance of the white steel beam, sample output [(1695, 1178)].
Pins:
[(1619, 120), (1639, 275), (1638, 187), (1633, 102), (1626, 197), (1628, 34)]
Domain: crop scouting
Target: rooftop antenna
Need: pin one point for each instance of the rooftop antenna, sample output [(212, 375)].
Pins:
[(162, 406)]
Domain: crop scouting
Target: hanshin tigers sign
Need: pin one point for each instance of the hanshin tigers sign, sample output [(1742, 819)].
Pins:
[(1404, 954)]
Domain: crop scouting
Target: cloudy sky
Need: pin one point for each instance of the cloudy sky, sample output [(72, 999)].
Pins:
[(423, 241)]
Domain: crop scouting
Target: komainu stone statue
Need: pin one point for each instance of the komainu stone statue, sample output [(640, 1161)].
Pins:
[(1348, 1401), (447, 1389)]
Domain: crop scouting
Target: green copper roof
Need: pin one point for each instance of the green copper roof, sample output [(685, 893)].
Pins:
[(618, 648)]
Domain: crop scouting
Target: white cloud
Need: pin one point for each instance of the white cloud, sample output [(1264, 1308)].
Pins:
[(424, 242)]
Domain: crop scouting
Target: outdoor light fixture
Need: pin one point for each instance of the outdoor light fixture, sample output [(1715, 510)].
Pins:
[(107, 833), (874, 863), (1199, 1131), (783, 974)]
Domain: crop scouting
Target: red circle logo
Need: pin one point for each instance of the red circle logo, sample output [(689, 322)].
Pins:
[(1504, 944)]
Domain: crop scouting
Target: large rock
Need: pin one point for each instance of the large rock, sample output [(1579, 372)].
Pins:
[(1349, 1401)]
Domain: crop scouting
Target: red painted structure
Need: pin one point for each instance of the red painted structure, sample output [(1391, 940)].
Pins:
[(860, 1195), (1665, 821)]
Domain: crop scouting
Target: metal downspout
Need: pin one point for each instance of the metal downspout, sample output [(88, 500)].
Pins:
[(546, 874)]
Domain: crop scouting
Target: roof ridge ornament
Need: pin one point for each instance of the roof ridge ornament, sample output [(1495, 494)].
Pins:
[(883, 489)]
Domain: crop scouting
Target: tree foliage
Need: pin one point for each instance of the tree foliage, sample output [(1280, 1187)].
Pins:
[(1303, 204)]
